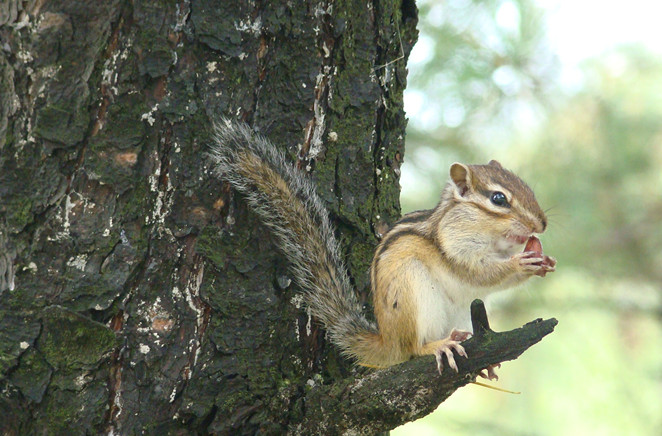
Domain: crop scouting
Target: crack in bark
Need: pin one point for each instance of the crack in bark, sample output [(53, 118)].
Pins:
[(312, 145), (117, 361), (115, 379), (95, 123), (193, 275), (104, 88), (381, 73), (262, 51)]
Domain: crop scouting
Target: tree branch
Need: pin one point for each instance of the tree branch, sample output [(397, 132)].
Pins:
[(384, 399)]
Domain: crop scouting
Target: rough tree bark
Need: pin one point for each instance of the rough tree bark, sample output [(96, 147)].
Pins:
[(137, 294)]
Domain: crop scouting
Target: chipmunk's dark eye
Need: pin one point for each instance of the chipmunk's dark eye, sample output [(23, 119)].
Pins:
[(499, 199)]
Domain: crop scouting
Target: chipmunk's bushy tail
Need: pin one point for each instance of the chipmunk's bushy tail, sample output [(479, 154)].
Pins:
[(286, 201)]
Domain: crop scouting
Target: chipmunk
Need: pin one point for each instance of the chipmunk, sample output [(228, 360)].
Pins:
[(427, 268)]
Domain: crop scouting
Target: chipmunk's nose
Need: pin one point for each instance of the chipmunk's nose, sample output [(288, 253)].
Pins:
[(538, 226)]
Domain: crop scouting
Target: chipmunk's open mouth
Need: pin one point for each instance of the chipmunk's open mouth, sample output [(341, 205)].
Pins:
[(511, 244)]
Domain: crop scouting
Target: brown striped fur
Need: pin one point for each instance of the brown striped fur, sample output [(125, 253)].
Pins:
[(425, 272)]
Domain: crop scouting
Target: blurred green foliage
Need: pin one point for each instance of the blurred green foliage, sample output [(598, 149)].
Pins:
[(485, 85), (601, 157)]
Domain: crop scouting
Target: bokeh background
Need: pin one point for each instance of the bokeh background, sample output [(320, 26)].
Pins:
[(568, 94)]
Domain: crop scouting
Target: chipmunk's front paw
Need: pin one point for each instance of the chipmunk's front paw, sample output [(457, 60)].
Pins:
[(548, 265), (534, 263), (529, 262), (533, 260)]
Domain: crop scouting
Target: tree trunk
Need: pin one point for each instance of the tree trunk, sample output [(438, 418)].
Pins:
[(138, 295)]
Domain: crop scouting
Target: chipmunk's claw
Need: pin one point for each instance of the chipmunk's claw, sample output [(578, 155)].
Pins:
[(488, 373), (446, 348)]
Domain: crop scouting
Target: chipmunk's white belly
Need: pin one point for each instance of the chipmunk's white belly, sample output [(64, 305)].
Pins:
[(443, 304)]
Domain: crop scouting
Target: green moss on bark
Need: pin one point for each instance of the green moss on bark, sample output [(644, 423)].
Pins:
[(32, 375), (70, 341), (64, 122), (18, 213)]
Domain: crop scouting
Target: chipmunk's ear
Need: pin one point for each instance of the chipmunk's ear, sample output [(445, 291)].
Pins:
[(461, 177), (495, 164)]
